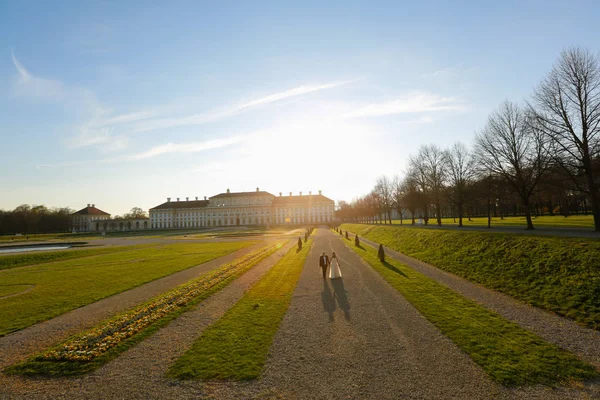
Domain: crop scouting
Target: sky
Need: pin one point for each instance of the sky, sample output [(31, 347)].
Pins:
[(124, 103)]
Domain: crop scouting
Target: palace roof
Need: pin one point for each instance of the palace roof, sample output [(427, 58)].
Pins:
[(90, 210), (181, 204), (242, 194), (311, 198)]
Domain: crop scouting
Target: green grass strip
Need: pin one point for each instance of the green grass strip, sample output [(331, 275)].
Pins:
[(235, 347), (93, 348), (62, 286), (509, 354), (559, 274), (20, 260)]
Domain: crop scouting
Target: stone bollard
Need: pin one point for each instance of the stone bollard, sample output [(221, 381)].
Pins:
[(381, 253)]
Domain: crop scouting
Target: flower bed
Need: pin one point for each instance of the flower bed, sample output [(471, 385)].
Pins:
[(102, 338)]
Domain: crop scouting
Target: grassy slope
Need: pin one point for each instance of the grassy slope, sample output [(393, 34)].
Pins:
[(509, 354), (558, 274), (235, 346), (548, 221), (20, 260), (65, 285), (36, 367)]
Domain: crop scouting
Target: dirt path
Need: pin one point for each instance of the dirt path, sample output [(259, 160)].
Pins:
[(583, 342), (19, 345)]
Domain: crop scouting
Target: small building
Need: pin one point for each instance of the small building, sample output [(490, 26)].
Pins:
[(81, 221)]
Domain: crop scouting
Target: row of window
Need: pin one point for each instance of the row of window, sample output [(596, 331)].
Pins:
[(221, 215), (158, 224)]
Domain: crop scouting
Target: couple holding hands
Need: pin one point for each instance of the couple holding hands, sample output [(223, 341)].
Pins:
[(333, 265)]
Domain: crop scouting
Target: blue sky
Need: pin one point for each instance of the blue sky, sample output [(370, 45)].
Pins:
[(123, 104)]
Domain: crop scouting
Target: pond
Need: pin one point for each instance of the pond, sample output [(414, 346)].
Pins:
[(32, 248)]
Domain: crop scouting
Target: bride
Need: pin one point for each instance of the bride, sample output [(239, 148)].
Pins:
[(334, 267)]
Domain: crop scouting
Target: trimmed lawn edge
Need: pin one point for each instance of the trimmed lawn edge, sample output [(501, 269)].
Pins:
[(509, 354)]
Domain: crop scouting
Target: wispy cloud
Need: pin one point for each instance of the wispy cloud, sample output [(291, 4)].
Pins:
[(202, 118), (193, 147), (32, 86), (156, 151), (128, 118), (450, 73), (416, 102)]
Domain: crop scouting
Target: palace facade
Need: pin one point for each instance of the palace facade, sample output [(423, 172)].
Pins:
[(84, 219), (92, 219), (243, 208)]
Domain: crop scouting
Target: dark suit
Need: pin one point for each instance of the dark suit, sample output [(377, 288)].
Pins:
[(324, 263)]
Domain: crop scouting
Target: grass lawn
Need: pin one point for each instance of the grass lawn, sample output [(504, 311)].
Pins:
[(244, 231), (557, 221), (88, 350), (20, 260), (509, 354), (9, 290), (236, 345), (65, 285), (557, 274), (38, 237), (66, 236)]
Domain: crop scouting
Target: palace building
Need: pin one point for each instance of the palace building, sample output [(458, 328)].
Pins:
[(243, 208), (84, 219)]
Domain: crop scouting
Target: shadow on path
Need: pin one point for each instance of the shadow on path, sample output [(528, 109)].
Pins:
[(328, 300), (340, 294)]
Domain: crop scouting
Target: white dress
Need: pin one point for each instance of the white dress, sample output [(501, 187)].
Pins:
[(334, 269)]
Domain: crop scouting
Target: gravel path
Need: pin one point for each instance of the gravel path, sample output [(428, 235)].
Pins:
[(583, 342), (19, 345), (139, 372), (357, 338)]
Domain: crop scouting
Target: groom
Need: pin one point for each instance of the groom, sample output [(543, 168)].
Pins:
[(324, 263)]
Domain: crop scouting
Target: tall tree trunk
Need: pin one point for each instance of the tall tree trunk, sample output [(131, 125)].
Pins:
[(489, 212), (595, 200), (528, 214), (438, 210), (460, 214)]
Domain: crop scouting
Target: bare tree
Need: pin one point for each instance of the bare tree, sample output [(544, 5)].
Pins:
[(512, 148), (384, 190), (398, 196), (568, 108), (429, 172), (411, 197), (135, 213), (417, 178), (460, 167)]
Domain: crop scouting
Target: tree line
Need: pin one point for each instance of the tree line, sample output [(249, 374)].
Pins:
[(35, 219), (29, 219), (541, 157)]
